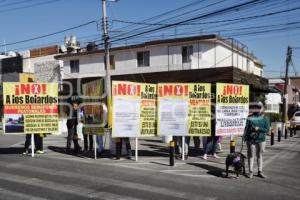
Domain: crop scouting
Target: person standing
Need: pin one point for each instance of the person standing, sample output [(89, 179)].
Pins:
[(186, 146), (88, 141), (211, 146), (257, 126), (99, 138), (125, 140), (38, 140), (38, 143), (72, 129)]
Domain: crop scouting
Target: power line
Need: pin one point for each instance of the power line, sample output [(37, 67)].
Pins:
[(15, 3), (29, 6), (224, 10), (212, 22), (50, 34)]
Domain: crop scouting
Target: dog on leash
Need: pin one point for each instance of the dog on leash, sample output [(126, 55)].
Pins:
[(237, 161)]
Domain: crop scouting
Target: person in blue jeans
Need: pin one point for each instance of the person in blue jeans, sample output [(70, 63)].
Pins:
[(211, 146), (99, 138)]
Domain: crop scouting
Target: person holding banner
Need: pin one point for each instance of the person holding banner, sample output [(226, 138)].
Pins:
[(257, 126), (87, 138), (186, 147), (99, 138), (72, 129), (126, 140), (211, 146)]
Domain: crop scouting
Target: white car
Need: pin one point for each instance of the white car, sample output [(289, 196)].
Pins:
[(296, 119)]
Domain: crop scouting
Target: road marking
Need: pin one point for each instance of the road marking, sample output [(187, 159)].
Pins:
[(17, 195), (103, 181), (65, 188)]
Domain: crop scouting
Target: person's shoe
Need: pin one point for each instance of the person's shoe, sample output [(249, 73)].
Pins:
[(250, 175), (261, 175), (40, 152), (178, 156), (216, 156), (25, 153), (205, 157)]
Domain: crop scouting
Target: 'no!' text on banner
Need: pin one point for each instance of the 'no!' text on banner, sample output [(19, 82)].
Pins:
[(232, 108), (30, 108), (134, 109), (184, 109)]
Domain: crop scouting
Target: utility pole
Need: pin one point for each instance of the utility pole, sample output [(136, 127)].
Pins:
[(106, 57), (287, 63)]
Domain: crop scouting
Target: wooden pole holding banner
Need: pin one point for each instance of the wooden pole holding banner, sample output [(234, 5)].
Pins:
[(136, 148), (32, 145), (95, 146), (183, 144)]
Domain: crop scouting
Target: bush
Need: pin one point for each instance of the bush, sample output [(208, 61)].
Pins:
[(274, 117)]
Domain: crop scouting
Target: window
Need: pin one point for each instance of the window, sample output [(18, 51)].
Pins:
[(111, 61), (143, 58), (74, 66), (187, 52)]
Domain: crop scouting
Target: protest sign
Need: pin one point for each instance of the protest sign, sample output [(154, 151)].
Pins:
[(199, 117), (184, 109), (232, 108), (95, 112), (126, 98), (134, 109), (30, 108), (148, 110), (172, 109)]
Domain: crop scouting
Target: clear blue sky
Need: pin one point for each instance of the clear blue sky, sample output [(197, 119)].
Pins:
[(19, 23)]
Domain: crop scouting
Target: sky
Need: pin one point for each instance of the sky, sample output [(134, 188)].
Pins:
[(25, 19)]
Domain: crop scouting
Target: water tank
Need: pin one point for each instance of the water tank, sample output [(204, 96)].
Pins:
[(73, 41), (67, 40)]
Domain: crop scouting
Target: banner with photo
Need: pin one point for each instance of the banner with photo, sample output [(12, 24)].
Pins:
[(184, 109), (232, 108), (94, 108), (30, 108)]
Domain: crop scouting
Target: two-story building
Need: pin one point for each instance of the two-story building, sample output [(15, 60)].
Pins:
[(207, 58)]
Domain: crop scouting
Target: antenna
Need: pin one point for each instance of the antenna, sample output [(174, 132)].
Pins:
[(4, 44)]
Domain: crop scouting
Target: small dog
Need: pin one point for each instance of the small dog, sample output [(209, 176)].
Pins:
[(237, 161)]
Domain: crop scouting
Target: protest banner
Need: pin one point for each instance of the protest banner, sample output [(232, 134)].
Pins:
[(30, 108), (172, 109), (126, 99), (199, 117), (95, 111), (184, 109), (134, 109), (232, 108), (148, 110)]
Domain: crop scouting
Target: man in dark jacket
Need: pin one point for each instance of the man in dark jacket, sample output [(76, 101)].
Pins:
[(72, 129)]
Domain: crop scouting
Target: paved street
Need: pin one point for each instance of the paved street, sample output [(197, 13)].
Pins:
[(56, 175)]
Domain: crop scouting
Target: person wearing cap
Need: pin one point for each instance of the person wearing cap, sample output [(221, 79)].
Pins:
[(257, 127)]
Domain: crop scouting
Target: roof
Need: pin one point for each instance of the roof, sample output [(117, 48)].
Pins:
[(158, 42)]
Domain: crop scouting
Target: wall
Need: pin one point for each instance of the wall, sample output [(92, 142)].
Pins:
[(89, 66)]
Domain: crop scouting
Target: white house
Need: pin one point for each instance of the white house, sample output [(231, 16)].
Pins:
[(209, 51)]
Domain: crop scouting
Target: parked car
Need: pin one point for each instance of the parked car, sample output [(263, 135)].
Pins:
[(296, 119)]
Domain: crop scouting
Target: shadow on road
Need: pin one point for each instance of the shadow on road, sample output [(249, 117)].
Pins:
[(12, 150), (215, 171)]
